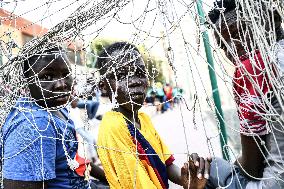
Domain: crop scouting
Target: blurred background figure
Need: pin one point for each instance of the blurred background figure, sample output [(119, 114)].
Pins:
[(168, 90), (88, 146), (177, 94), (160, 95), (90, 105), (150, 96)]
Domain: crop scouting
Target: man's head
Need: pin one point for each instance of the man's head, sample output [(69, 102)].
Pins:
[(237, 32), (74, 102), (49, 78), (124, 74)]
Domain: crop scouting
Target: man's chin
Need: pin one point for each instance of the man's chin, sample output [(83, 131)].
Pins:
[(137, 105), (132, 106), (60, 105)]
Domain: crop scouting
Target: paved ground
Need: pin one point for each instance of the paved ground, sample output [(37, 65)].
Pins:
[(180, 134)]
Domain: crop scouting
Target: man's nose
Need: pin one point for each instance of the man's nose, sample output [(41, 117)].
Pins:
[(60, 84)]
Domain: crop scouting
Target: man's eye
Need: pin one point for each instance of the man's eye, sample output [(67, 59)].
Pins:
[(121, 76), (47, 77), (65, 74), (140, 73)]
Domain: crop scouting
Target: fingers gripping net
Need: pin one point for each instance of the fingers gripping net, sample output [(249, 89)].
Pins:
[(171, 30)]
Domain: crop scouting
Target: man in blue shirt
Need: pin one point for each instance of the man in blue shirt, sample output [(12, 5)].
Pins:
[(39, 145)]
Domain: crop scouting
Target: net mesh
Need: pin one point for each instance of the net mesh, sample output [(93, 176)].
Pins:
[(174, 32)]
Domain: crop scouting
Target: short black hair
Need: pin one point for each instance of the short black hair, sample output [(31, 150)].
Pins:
[(47, 55), (230, 5), (104, 55), (215, 13)]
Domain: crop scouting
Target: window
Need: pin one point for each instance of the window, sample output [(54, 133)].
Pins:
[(27, 38)]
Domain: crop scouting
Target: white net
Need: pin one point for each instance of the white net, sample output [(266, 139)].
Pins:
[(246, 41)]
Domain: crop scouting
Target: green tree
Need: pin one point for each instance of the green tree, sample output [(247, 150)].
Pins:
[(96, 46)]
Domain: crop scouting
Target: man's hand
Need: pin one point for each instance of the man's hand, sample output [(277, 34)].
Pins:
[(199, 170), (15, 184)]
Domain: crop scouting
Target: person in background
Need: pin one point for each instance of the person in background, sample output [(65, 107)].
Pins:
[(177, 94), (160, 95), (75, 115), (87, 143), (150, 97), (168, 90), (90, 105)]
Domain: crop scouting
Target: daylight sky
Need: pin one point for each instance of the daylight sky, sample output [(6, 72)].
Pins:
[(49, 13)]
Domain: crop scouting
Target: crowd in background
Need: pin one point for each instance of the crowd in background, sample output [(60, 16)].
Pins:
[(164, 97)]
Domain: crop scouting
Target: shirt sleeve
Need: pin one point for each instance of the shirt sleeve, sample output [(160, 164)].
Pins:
[(122, 167), (251, 87), (30, 150)]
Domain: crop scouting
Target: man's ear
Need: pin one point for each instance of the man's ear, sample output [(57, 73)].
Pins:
[(103, 86)]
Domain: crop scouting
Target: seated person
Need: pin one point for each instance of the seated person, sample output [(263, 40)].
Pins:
[(131, 151), (40, 149)]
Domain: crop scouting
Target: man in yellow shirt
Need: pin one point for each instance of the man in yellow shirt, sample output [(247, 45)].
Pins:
[(130, 149)]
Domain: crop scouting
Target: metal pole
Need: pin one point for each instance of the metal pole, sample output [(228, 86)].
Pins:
[(213, 80)]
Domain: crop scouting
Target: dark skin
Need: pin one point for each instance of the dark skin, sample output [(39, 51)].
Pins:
[(130, 81), (251, 160), (98, 173), (129, 88), (278, 27), (55, 79), (234, 36), (13, 184)]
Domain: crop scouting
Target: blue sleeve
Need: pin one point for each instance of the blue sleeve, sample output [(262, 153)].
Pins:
[(30, 150)]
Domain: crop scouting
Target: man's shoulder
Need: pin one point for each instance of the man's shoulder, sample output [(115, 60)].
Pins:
[(26, 121), (113, 125), (144, 115), (24, 109), (18, 114), (112, 120)]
